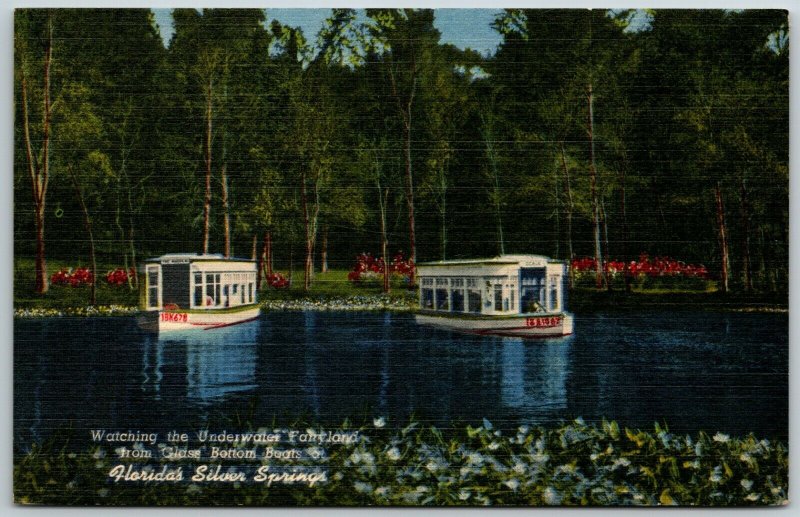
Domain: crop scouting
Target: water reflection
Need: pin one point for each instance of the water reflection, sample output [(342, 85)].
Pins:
[(535, 375), (719, 372), (218, 362)]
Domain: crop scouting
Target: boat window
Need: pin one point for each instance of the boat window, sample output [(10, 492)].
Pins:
[(498, 298), (457, 298), (213, 290), (152, 287), (513, 307), (442, 300), (474, 300), (426, 298), (554, 293), (198, 290), (250, 291)]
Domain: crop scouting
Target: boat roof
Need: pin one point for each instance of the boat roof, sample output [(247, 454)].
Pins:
[(196, 257), (495, 261)]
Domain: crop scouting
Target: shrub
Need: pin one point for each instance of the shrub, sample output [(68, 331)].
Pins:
[(659, 272), (277, 281), (119, 276), (369, 270), (79, 277)]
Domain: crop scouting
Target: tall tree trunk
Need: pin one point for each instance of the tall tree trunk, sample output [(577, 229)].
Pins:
[(488, 139), (626, 273), (570, 208), (268, 244), (384, 248), (443, 231), (207, 201), (385, 242), (87, 222), (39, 166), (309, 264), (405, 108), (383, 200), (723, 237), (762, 262), (745, 210), (134, 279), (291, 264), (412, 239), (41, 263), (606, 274), (598, 257), (254, 250), (324, 251), (557, 197), (262, 259), (226, 216)]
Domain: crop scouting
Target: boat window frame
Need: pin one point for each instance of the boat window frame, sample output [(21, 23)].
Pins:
[(158, 286)]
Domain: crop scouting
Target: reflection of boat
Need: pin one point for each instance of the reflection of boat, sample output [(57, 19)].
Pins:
[(535, 378), (215, 364), (189, 291), (510, 295)]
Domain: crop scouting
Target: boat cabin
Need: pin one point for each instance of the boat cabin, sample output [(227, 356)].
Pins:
[(504, 285), (182, 281)]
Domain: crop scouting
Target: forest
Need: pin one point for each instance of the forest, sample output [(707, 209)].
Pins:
[(581, 136)]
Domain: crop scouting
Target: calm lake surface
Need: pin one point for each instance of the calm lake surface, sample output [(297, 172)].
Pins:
[(704, 371)]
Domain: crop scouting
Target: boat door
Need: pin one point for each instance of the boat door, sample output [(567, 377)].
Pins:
[(532, 286), (153, 286)]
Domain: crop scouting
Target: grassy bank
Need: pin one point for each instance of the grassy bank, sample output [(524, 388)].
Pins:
[(571, 465), (332, 290), (64, 298)]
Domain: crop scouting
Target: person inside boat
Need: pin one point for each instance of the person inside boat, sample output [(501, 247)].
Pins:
[(534, 306)]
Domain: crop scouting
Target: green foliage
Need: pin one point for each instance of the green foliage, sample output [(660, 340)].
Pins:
[(574, 464), (499, 143)]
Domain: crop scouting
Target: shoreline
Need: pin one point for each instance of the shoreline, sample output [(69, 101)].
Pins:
[(367, 303)]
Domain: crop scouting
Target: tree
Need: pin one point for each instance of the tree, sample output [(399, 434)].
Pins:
[(407, 37), (34, 38)]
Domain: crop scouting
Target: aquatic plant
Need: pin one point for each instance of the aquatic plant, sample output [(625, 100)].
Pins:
[(572, 464)]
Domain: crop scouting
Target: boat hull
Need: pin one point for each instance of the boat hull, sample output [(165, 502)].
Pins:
[(162, 321), (523, 325)]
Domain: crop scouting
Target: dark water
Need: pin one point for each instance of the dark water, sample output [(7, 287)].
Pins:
[(715, 372)]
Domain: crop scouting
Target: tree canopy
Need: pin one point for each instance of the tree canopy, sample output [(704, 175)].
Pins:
[(580, 136)]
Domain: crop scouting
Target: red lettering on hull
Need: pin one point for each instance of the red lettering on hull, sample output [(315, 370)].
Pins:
[(543, 322), (175, 317)]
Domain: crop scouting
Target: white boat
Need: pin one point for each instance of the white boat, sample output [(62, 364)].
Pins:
[(509, 295), (184, 291)]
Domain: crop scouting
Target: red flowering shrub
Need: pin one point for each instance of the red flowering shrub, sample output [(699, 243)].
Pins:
[(647, 272), (79, 277), (370, 268), (659, 266), (277, 281), (119, 276)]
